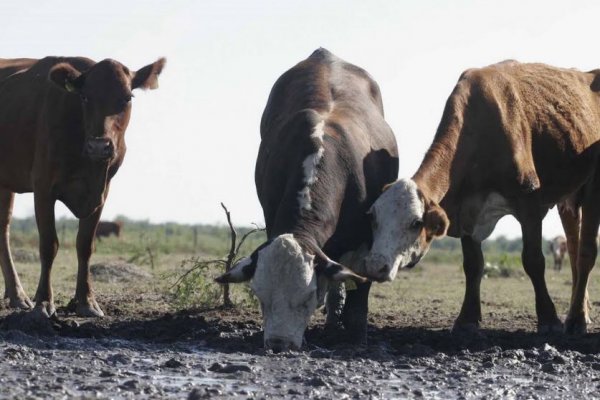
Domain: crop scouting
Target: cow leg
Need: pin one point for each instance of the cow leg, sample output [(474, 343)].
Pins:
[(578, 317), (571, 222), (44, 216), (355, 312), (13, 290), (534, 265), (85, 301), (334, 305), (470, 312)]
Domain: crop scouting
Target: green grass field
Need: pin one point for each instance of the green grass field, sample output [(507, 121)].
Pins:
[(430, 295)]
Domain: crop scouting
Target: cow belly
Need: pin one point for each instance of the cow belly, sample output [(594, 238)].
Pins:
[(487, 214), (15, 181)]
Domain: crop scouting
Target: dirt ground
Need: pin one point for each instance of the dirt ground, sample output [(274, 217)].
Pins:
[(145, 348)]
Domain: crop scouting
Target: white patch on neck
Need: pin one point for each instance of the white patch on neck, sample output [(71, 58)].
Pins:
[(310, 167)]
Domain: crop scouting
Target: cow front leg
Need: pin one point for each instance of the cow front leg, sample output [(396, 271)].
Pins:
[(334, 305), (44, 216), (535, 265), (578, 316), (356, 308), (13, 290), (85, 301), (470, 312)]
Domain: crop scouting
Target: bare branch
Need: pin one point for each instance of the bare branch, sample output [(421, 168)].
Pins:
[(232, 249), (197, 265), (246, 236)]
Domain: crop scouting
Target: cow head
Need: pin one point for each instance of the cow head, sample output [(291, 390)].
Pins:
[(404, 224), (290, 280), (105, 92)]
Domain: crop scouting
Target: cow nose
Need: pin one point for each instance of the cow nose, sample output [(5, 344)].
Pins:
[(99, 148), (277, 345), (378, 267), (385, 269)]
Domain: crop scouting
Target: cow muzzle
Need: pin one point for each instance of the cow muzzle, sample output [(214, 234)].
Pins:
[(278, 345), (99, 149), (378, 268)]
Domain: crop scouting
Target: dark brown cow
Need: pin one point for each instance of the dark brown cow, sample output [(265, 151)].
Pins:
[(514, 139), (62, 126), (326, 152), (107, 228)]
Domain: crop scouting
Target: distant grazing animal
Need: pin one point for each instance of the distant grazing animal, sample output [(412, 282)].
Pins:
[(325, 155), (62, 127), (558, 248), (106, 228), (514, 139)]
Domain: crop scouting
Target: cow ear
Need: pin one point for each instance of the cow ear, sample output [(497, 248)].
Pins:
[(66, 77), (147, 77), (242, 271), (435, 221)]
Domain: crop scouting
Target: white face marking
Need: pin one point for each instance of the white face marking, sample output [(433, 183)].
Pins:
[(396, 241), (309, 166), (286, 285)]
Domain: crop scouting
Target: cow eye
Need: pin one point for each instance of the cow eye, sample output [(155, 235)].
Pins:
[(83, 98), (416, 224)]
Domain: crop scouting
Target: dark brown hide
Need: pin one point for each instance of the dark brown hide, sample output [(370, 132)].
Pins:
[(62, 126), (325, 103)]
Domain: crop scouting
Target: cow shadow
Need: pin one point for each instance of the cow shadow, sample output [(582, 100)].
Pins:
[(228, 331)]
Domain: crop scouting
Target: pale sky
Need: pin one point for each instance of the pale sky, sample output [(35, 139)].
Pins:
[(193, 142)]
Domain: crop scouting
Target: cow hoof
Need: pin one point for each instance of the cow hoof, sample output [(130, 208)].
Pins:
[(550, 328), (20, 301), (461, 328), (576, 325), (90, 309), (45, 309)]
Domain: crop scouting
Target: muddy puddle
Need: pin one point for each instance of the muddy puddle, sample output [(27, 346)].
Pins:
[(218, 354)]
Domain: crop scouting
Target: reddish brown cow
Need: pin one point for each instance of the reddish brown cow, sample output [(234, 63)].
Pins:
[(514, 139), (62, 126), (107, 228)]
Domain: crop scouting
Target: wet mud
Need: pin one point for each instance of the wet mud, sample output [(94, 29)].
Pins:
[(218, 354)]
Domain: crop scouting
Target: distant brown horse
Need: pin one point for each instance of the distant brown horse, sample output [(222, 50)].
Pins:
[(558, 248), (106, 228)]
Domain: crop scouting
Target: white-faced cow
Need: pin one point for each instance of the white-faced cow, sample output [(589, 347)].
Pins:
[(325, 155), (514, 139), (62, 127)]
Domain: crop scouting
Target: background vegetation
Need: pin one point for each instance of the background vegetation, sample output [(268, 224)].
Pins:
[(171, 250)]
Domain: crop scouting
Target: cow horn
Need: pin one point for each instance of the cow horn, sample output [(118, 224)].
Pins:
[(334, 270), (242, 271)]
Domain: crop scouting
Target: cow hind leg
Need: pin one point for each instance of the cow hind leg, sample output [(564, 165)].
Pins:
[(578, 316), (44, 215), (85, 301), (571, 222), (13, 290), (470, 313), (534, 265)]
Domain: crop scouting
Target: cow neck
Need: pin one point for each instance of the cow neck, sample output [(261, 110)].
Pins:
[(307, 227), (448, 156)]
